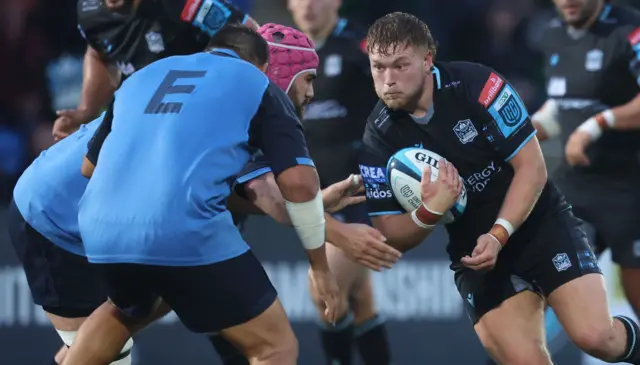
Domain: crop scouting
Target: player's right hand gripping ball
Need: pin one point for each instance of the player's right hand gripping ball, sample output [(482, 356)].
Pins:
[(404, 173)]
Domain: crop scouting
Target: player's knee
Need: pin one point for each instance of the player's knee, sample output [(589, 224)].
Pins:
[(594, 341)]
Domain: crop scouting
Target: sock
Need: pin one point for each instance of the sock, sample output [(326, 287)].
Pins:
[(631, 353), (229, 354), (371, 337), (337, 341)]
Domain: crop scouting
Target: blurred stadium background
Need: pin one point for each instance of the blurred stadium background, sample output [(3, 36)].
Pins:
[(41, 71)]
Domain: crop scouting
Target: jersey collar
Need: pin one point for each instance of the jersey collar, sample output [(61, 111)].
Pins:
[(228, 52), (435, 71)]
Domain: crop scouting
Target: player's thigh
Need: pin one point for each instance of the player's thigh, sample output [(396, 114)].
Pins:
[(567, 272), (362, 299), (209, 298), (66, 285), (132, 289), (507, 313), (265, 335)]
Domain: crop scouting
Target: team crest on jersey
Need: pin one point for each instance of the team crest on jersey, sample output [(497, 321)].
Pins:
[(561, 261), (593, 61), (212, 16), (333, 65), (465, 131), (155, 42)]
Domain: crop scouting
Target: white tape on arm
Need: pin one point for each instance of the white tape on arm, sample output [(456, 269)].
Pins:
[(308, 221)]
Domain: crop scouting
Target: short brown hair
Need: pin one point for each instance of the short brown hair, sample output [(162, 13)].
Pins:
[(399, 30)]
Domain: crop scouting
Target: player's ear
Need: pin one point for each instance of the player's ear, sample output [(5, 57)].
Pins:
[(428, 60)]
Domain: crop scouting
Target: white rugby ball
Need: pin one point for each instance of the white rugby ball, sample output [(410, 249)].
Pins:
[(404, 172)]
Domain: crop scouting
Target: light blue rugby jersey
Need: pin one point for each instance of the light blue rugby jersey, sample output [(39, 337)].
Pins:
[(48, 191), (179, 135)]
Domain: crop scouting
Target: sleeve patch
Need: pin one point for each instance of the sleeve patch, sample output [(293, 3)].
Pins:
[(508, 111), (363, 46), (190, 9), (490, 90), (211, 16), (634, 37)]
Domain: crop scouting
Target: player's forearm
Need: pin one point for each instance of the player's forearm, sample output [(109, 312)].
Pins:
[(99, 82), (400, 231), (627, 116), (524, 191)]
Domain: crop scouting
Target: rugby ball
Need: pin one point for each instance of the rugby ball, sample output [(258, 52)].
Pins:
[(404, 173)]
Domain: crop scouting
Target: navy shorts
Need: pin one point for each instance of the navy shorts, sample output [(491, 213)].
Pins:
[(63, 283), (206, 298), (556, 253)]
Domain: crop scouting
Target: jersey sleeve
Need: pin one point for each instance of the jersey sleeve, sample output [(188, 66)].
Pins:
[(277, 130), (207, 15), (504, 117), (632, 50), (373, 158), (95, 143)]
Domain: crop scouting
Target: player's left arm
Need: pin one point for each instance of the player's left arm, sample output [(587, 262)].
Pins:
[(509, 130), (209, 16), (625, 116), (95, 144)]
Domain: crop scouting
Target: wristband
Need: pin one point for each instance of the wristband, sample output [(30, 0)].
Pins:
[(425, 218), (594, 126), (507, 225), (547, 118)]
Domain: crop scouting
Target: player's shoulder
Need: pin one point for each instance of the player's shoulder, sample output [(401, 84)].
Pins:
[(464, 78), (351, 32), (626, 21), (552, 28)]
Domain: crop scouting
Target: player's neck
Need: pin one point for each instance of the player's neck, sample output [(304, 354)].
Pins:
[(592, 19), (425, 102), (320, 36)]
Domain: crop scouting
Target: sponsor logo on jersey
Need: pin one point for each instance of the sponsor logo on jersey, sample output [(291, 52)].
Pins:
[(333, 65), (189, 10), (634, 37), (465, 131), (593, 60), (561, 262), (374, 193), (155, 42), (490, 89), (478, 181), (373, 174)]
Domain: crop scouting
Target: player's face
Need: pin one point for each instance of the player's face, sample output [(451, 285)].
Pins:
[(577, 12), (311, 16), (301, 92), (400, 75)]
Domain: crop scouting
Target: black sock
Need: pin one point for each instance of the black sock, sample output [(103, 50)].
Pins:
[(631, 354), (337, 340), (371, 337), (229, 354)]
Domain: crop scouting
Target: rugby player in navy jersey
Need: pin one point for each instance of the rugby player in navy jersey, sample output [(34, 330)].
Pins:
[(333, 124), (518, 244), (123, 36)]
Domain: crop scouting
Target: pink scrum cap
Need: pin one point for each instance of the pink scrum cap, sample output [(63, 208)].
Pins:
[(290, 54)]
